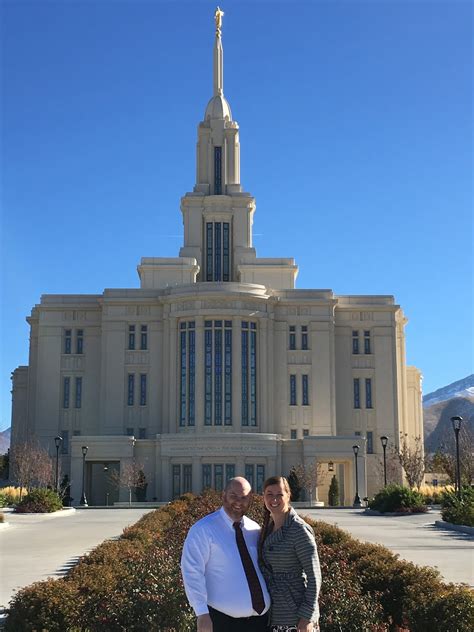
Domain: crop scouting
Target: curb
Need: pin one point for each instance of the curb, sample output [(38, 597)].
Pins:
[(397, 514), (460, 528)]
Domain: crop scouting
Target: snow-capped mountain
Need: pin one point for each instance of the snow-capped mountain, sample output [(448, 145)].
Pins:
[(461, 388), (5, 440)]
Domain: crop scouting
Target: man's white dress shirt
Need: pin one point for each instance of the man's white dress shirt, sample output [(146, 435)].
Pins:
[(212, 569)]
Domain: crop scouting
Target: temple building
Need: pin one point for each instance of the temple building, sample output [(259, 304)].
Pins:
[(216, 365)]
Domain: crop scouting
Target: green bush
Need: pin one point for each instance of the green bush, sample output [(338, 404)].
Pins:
[(40, 500), (398, 499), (333, 494), (134, 584), (459, 510)]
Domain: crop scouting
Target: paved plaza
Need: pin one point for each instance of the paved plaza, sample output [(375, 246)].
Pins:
[(36, 547)]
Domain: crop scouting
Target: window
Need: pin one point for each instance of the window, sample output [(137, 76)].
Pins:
[(217, 251), (367, 349), (79, 341), (292, 337), (66, 391), (370, 442), (293, 434), (292, 390), (260, 478), (217, 170), (65, 442), (218, 372), (249, 470), (206, 476), (356, 392), (305, 432), (142, 433), (305, 390), (187, 372), (131, 337), (357, 433), (143, 389), (218, 478), (67, 340), (130, 389), (368, 392), (76, 433), (249, 373), (176, 478), (229, 471), (144, 337), (78, 400), (355, 342), (304, 337), (187, 478), (129, 432)]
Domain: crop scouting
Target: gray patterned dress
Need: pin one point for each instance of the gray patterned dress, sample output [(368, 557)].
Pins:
[(292, 572)]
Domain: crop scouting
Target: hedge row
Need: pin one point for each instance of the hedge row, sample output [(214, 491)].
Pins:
[(134, 584), (459, 509)]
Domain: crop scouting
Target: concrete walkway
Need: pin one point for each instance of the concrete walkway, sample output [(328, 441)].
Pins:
[(414, 537), (34, 547)]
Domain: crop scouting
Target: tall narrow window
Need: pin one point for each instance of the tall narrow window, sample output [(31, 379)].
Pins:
[(370, 442), (129, 432), (356, 392), (143, 389), (218, 478), (65, 442), (225, 251), (176, 477), (66, 391), (367, 349), (292, 341), (67, 340), (368, 392), (292, 390), (228, 372), (304, 337), (305, 390), (217, 251), (80, 341), (217, 170), (249, 469), (130, 389), (206, 476), (260, 478), (229, 471), (355, 342), (218, 372), (208, 373), (293, 434), (187, 478), (131, 337), (78, 400), (142, 433), (253, 374), (187, 373), (209, 252), (249, 373), (144, 337)]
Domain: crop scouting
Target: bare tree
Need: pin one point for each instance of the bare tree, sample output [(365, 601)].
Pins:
[(310, 476), (411, 458), (130, 476), (31, 466)]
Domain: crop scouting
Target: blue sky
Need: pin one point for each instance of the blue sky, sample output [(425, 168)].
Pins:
[(356, 139)]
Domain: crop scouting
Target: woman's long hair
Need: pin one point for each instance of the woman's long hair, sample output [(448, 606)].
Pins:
[(273, 480)]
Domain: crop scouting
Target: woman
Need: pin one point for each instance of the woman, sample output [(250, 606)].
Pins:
[(289, 562)]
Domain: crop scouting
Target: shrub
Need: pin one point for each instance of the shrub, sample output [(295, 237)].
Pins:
[(459, 510), (397, 498), (40, 500), (10, 496), (333, 494)]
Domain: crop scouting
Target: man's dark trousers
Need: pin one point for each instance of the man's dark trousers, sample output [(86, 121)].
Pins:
[(223, 623)]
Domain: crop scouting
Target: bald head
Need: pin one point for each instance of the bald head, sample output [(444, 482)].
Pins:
[(238, 483), (236, 497)]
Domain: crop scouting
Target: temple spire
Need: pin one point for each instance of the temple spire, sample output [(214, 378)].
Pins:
[(218, 55)]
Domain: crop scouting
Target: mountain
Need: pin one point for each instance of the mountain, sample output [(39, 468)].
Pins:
[(5, 436), (438, 408)]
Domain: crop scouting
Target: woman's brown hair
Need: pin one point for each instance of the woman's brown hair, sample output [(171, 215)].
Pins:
[(273, 480)]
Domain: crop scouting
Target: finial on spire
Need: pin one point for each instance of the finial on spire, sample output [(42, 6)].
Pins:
[(218, 15)]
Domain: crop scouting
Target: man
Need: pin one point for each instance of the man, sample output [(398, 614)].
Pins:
[(220, 569)]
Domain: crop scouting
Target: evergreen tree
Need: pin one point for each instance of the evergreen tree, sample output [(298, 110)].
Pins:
[(294, 484), (333, 493)]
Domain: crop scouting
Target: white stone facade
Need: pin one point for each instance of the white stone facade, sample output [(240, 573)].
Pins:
[(216, 366)]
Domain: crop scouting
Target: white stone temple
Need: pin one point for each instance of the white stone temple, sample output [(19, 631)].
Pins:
[(216, 366)]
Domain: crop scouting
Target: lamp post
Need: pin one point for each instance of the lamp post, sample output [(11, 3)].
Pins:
[(83, 500), (357, 501), (106, 469), (384, 441), (57, 442), (457, 421)]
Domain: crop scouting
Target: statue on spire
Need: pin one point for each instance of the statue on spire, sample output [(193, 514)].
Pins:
[(218, 18)]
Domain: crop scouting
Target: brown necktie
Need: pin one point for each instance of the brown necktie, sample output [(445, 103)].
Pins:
[(258, 602)]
